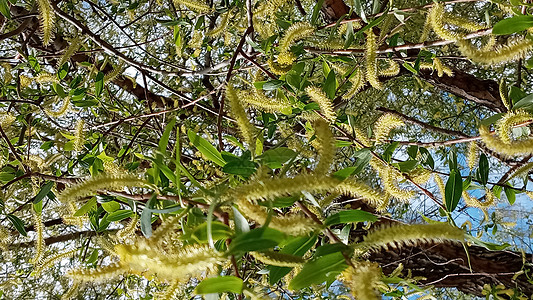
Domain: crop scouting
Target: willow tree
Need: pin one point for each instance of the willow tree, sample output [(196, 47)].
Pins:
[(260, 149)]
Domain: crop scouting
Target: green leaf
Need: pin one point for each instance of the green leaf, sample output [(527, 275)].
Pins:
[(86, 207), (512, 25), (18, 224), (4, 9), (409, 67), (453, 190), (119, 215), (483, 169), (272, 85), (93, 257), (510, 193), (218, 231), (240, 167), (275, 158), (99, 84), (317, 271), (6, 176), (241, 224), (111, 206), (408, 165), (45, 189), (387, 154), (206, 148), (350, 216), (255, 240), (62, 73), (330, 85), (220, 284), (492, 119), (363, 158), (525, 103), (86, 102), (487, 245), (146, 217), (163, 142), (297, 247), (316, 10)]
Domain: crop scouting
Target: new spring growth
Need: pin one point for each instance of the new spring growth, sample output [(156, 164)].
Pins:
[(79, 138), (436, 19), (473, 155), (245, 127), (512, 51), (194, 5), (516, 148), (363, 279), (384, 125), (39, 240), (47, 18), (474, 202), (504, 126), (326, 147), (295, 32), (326, 106), (371, 63), (410, 235)]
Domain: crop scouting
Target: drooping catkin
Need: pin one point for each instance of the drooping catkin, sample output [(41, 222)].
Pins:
[(245, 127), (362, 279), (39, 239), (512, 51), (384, 125), (516, 148), (326, 147), (371, 64), (47, 18), (409, 235), (504, 126), (390, 181), (358, 82), (296, 31), (73, 46), (473, 155), (97, 275), (325, 104), (474, 202), (504, 94), (79, 137), (278, 259), (217, 31), (436, 19), (61, 111), (195, 5), (48, 262)]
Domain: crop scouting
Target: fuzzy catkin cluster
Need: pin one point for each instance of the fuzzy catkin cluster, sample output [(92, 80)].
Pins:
[(363, 279), (512, 51), (194, 5), (503, 144), (371, 64), (47, 18), (384, 125), (326, 106)]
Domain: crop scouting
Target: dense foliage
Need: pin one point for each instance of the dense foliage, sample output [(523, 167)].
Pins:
[(265, 149)]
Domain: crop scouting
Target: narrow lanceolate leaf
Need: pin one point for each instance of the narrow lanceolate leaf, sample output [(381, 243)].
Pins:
[(350, 216), (317, 271), (47, 16), (208, 150), (512, 25), (221, 284), (17, 223), (453, 190)]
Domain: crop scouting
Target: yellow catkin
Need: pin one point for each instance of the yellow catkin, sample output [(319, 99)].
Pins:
[(172, 291), (393, 69), (384, 125), (277, 68), (494, 143), (7, 73), (245, 127), (358, 82), (296, 31), (47, 18), (79, 137), (286, 58), (291, 224), (128, 231), (436, 19), (195, 5), (504, 126), (325, 104), (100, 182), (463, 23), (278, 259), (39, 239), (97, 275), (74, 45), (522, 171), (504, 95), (440, 184), (47, 263), (420, 175), (46, 78), (473, 202), (217, 31), (259, 100), (473, 155), (371, 64), (363, 279), (326, 147), (512, 51), (188, 261), (72, 292), (424, 36), (410, 235), (61, 111), (390, 178), (25, 81), (117, 71)]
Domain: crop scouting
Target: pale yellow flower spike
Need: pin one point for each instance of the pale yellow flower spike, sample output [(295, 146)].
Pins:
[(390, 185), (504, 126), (504, 95), (45, 264), (410, 235), (195, 5), (436, 19), (371, 63), (473, 202), (384, 125), (440, 184), (61, 111), (259, 100), (39, 240), (512, 51), (72, 292), (522, 171), (47, 17), (46, 78), (74, 45), (296, 31), (326, 144), (221, 26), (462, 23), (277, 68), (473, 155), (358, 82), (516, 148), (99, 274), (278, 259), (392, 70), (325, 104), (79, 138), (245, 127), (363, 279)]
